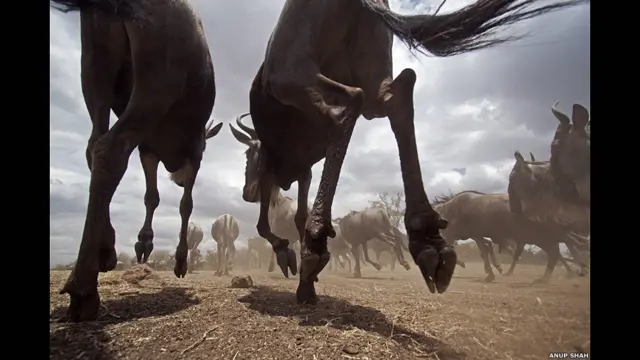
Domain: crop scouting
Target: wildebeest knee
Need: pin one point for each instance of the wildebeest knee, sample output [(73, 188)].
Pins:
[(152, 198)]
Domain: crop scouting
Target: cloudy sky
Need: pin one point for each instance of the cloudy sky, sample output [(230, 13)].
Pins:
[(472, 112)]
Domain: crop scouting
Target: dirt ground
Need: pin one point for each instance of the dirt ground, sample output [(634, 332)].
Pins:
[(385, 315)]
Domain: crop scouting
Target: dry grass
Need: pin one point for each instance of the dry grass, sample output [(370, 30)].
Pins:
[(386, 315)]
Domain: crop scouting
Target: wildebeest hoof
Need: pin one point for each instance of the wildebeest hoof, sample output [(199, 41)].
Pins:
[(357, 275), (377, 266), (84, 301), (490, 278), (306, 293), (406, 265), (143, 250), (107, 259), (437, 267), (286, 259), (499, 268), (508, 273), (180, 269)]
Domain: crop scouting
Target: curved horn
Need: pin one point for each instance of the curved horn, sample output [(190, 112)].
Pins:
[(244, 127), (562, 117), (240, 136), (533, 158), (519, 157)]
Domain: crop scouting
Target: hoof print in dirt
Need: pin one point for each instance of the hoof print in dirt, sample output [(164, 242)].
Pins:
[(241, 282)]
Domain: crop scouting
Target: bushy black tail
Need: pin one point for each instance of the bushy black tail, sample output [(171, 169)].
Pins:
[(468, 29), (126, 9)]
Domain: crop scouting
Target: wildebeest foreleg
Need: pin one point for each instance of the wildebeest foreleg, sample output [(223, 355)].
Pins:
[(365, 252), (220, 250), (492, 254), (97, 249), (355, 251), (517, 253), (186, 207), (435, 258), (285, 257), (144, 245), (552, 249), (484, 253)]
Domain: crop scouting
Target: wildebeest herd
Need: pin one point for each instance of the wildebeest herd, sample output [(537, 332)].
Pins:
[(327, 62)]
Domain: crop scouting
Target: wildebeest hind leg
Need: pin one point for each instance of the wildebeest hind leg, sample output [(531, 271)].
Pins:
[(553, 254), (516, 256), (484, 253), (144, 245), (186, 207), (314, 254), (435, 258), (97, 249), (365, 252)]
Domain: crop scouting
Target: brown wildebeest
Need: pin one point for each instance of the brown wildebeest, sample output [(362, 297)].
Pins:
[(282, 215), (194, 238), (358, 227), (476, 215), (378, 247), (328, 62), (259, 249), (156, 74), (340, 248), (225, 231)]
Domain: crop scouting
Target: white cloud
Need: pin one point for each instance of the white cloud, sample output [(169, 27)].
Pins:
[(471, 111)]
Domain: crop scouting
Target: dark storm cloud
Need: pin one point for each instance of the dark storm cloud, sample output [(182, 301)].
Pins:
[(472, 112)]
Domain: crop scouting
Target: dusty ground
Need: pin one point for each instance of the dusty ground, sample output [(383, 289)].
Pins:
[(386, 315)]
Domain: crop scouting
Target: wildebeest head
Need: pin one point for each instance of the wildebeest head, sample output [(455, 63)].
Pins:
[(571, 148), (254, 166)]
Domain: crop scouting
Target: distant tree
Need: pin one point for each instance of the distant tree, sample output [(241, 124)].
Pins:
[(160, 255), (393, 203), (124, 257)]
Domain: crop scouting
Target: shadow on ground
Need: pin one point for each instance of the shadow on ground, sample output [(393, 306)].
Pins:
[(89, 340), (342, 315)]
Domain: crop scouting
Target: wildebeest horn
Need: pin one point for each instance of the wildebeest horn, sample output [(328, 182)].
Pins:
[(244, 127), (533, 158), (240, 136), (211, 131), (559, 114), (580, 116), (519, 157)]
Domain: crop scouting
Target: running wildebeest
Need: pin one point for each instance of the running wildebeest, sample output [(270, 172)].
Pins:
[(327, 62), (475, 215), (158, 49), (378, 247), (194, 238), (225, 231), (558, 190), (282, 214), (260, 250), (358, 227), (340, 248)]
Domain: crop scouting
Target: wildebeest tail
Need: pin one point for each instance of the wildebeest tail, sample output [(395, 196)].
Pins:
[(129, 9), (470, 28)]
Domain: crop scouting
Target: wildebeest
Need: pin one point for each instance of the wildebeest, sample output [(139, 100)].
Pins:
[(378, 247), (282, 215), (558, 190), (194, 238), (225, 231), (157, 76), (340, 248), (475, 215), (327, 62), (358, 227), (260, 250)]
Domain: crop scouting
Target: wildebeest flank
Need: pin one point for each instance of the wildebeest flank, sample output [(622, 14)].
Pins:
[(225, 231), (164, 56), (327, 62)]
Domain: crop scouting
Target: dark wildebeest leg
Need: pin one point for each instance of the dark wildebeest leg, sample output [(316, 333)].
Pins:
[(220, 255), (314, 253), (517, 253), (144, 245), (365, 252), (285, 257), (553, 254), (190, 169), (435, 258)]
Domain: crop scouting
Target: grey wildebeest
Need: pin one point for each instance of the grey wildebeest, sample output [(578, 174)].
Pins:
[(225, 231), (327, 62), (149, 62), (557, 191), (358, 227), (194, 238), (378, 247), (282, 221), (475, 215), (259, 250), (340, 248)]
